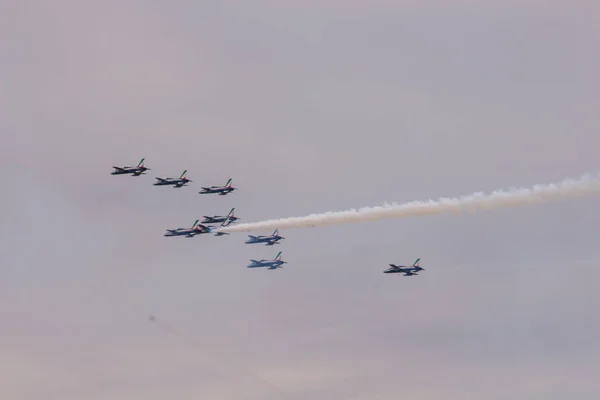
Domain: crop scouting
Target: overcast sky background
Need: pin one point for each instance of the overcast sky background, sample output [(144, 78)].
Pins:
[(309, 106)]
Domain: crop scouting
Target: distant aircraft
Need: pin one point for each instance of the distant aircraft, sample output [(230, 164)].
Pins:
[(175, 182), (134, 171), (269, 264), (268, 240), (196, 229), (221, 190), (217, 218), (407, 271)]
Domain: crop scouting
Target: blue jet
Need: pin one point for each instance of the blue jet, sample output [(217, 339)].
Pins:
[(134, 171), (175, 182), (407, 271), (218, 218), (269, 264), (267, 240), (221, 190)]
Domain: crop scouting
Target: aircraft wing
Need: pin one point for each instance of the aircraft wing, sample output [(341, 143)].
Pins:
[(162, 179), (119, 168)]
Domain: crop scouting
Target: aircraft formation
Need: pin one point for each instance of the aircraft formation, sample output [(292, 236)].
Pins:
[(199, 228)]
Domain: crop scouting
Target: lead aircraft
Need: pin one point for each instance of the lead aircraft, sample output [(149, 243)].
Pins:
[(134, 171)]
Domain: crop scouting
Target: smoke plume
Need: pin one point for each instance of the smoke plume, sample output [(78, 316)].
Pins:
[(586, 185)]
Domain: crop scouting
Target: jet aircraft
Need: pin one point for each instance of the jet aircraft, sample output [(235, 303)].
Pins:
[(196, 229), (220, 190), (218, 218), (269, 264), (267, 240), (175, 182), (407, 271), (134, 171)]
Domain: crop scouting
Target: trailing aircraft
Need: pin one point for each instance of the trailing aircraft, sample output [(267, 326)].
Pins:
[(218, 218), (269, 264), (134, 171), (175, 182), (407, 271), (268, 240), (221, 190)]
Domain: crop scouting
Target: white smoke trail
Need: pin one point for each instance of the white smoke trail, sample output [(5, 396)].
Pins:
[(586, 185)]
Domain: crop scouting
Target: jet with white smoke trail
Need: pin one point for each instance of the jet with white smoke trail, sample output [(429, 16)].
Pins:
[(586, 185)]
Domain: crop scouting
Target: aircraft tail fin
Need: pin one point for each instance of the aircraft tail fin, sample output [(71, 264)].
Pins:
[(183, 174), (195, 223), (275, 232), (228, 183), (141, 163), (227, 221), (278, 256), (417, 263)]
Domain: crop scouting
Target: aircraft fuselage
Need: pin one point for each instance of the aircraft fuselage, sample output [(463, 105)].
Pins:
[(266, 264), (177, 182), (217, 190), (183, 232), (129, 170), (269, 241)]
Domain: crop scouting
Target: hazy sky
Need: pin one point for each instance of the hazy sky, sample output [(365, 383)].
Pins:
[(309, 106)]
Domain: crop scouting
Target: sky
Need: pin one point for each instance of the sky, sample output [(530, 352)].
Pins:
[(310, 106)]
